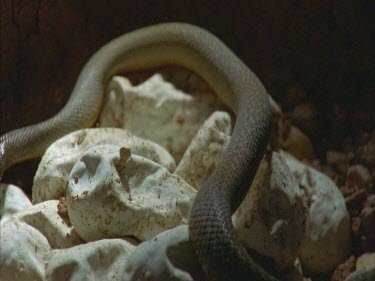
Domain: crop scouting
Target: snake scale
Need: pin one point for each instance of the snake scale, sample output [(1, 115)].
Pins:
[(221, 254)]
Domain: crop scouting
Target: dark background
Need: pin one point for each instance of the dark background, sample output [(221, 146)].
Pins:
[(324, 49)]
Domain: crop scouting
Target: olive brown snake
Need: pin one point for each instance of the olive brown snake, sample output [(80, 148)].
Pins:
[(221, 254)]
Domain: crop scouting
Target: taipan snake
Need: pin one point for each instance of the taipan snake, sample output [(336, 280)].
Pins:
[(221, 254)]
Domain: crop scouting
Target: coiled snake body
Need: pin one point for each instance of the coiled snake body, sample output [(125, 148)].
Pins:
[(210, 226)]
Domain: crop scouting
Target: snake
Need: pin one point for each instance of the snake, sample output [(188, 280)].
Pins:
[(219, 251)]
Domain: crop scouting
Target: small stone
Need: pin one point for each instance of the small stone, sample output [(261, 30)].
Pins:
[(365, 268), (356, 222), (366, 153), (113, 198), (99, 260), (367, 228), (157, 111), (167, 257), (24, 252), (370, 201), (366, 261), (359, 175), (327, 239), (336, 158), (53, 172), (12, 200), (205, 150), (344, 269), (56, 229), (271, 218), (304, 115), (298, 144), (362, 275), (62, 208)]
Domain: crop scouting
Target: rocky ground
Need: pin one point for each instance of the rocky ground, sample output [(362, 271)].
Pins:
[(316, 60)]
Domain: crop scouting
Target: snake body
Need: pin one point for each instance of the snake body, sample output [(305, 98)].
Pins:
[(221, 254)]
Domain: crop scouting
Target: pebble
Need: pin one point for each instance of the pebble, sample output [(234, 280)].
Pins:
[(205, 150), (366, 153), (271, 218), (365, 268), (53, 172), (298, 144), (157, 111), (367, 226), (344, 269), (304, 115), (334, 157), (327, 240), (359, 176), (12, 200), (56, 229), (99, 260), (114, 193), (24, 252), (167, 257)]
